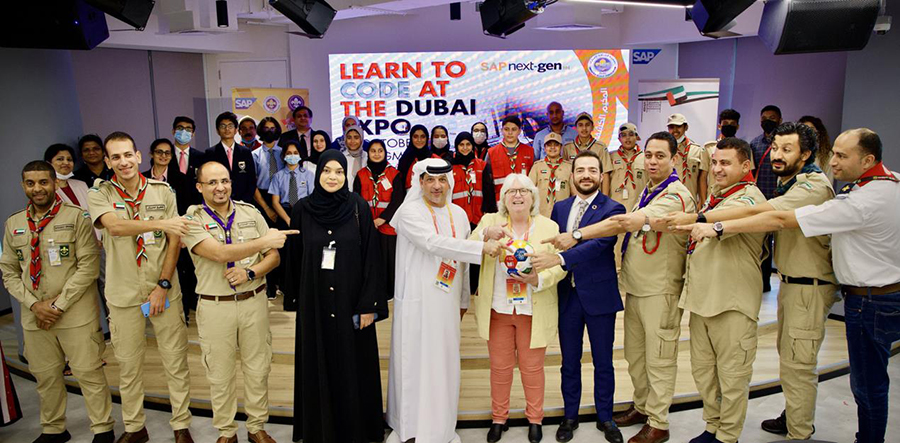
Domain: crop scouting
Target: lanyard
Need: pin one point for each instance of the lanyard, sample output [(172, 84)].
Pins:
[(761, 161), (434, 219)]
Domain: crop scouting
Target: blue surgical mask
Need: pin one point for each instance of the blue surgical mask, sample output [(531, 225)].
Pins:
[(183, 136), (293, 159)]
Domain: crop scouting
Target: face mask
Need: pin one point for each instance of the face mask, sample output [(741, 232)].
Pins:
[(64, 177), (439, 143), (248, 141), (268, 135), (479, 137), (293, 159), (183, 136), (729, 130), (768, 126)]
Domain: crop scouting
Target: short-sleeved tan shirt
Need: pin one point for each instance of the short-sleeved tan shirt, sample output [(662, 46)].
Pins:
[(128, 284), (572, 148), (654, 261), (722, 274), (627, 193), (795, 254), (540, 175), (74, 279), (248, 225), (709, 148), (689, 172)]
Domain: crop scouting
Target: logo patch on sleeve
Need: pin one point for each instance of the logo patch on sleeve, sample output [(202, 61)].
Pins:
[(19, 232), (63, 250)]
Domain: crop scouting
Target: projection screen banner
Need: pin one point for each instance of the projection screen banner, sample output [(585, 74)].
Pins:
[(390, 92)]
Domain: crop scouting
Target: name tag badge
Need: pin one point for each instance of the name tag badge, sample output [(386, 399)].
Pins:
[(445, 275), (247, 260), (386, 184), (328, 255), (53, 254), (472, 176), (516, 293), (149, 238)]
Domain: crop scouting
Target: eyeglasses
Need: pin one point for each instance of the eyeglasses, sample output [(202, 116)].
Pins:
[(214, 183), (162, 153), (519, 191), (184, 128), (227, 126)]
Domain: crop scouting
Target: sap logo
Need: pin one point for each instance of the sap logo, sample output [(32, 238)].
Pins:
[(644, 56), (244, 103)]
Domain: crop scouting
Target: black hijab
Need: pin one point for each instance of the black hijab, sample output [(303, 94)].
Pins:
[(444, 152), (411, 153), (377, 167), (480, 150), (330, 208), (459, 159), (314, 155)]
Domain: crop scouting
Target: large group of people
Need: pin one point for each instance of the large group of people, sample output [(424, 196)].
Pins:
[(551, 239)]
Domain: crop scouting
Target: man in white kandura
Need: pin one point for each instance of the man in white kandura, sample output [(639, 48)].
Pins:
[(432, 285)]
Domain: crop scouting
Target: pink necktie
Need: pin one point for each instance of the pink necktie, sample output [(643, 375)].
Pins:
[(182, 163), (228, 151)]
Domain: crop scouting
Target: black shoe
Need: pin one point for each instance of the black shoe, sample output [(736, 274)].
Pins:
[(566, 430), (776, 425), (54, 438), (104, 437), (496, 432), (611, 431), (705, 437), (535, 434)]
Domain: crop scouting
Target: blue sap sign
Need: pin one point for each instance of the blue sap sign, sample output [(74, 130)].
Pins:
[(243, 103), (644, 56)]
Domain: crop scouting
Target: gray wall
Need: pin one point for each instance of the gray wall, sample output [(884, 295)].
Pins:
[(40, 107)]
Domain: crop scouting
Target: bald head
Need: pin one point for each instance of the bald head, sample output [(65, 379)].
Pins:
[(212, 167), (555, 113)]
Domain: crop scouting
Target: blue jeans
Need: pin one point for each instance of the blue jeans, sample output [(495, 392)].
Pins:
[(873, 324)]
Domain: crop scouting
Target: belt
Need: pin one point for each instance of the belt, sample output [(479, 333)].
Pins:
[(240, 296), (803, 280), (869, 290)]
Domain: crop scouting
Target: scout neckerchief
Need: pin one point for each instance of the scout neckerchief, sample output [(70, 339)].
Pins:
[(645, 200), (512, 157), (629, 174), (36, 229), (375, 181), (135, 205), (226, 226), (578, 150), (470, 180), (783, 188), (554, 183), (713, 201), (685, 172), (875, 173)]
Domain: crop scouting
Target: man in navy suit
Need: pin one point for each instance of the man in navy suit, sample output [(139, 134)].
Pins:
[(588, 296), (236, 158)]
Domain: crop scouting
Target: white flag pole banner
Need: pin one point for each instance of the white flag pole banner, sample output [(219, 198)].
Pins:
[(696, 99)]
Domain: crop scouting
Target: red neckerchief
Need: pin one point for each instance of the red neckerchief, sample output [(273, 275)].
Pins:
[(713, 201), (135, 205), (36, 228), (685, 172), (629, 174), (875, 173), (470, 180), (513, 157), (551, 190), (578, 150)]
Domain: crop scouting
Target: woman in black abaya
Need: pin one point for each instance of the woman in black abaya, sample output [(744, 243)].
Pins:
[(337, 277)]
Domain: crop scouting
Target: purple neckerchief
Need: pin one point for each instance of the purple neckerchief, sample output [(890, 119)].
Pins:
[(646, 199), (225, 226)]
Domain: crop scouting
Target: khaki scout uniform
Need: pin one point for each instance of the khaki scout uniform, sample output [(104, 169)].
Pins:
[(76, 335), (127, 287), (652, 279), (691, 176), (226, 325), (802, 308), (723, 293), (617, 166), (572, 148), (540, 175), (709, 148)]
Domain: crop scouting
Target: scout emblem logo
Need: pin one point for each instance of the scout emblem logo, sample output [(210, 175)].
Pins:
[(19, 255), (242, 166), (157, 234), (63, 250)]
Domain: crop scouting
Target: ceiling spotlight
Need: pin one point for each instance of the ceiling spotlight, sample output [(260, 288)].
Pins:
[(500, 18), (312, 16), (222, 13)]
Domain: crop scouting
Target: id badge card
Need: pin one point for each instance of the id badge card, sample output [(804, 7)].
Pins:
[(386, 184), (625, 193), (445, 275), (472, 176), (246, 261), (328, 255), (149, 238), (516, 292), (53, 254)]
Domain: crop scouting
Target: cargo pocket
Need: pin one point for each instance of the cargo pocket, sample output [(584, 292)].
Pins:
[(668, 344), (100, 342), (748, 348), (804, 345)]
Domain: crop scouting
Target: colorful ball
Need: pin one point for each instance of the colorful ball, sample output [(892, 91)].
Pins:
[(522, 263)]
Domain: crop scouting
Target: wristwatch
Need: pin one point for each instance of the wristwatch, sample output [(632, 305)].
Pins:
[(165, 284), (646, 227), (701, 218), (250, 274), (717, 226), (576, 234)]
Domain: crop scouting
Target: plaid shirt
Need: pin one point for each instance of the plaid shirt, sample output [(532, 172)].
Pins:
[(766, 180)]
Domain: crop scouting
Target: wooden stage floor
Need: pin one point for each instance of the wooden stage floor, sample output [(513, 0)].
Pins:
[(475, 403)]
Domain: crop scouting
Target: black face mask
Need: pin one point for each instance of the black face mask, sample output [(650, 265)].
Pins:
[(729, 130), (268, 135), (768, 126)]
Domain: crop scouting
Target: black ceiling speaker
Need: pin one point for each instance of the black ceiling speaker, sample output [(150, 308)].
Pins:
[(133, 12), (798, 26), (66, 25), (715, 16), (312, 16), (500, 18)]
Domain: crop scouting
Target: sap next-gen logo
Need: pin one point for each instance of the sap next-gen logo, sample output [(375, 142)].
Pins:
[(644, 56)]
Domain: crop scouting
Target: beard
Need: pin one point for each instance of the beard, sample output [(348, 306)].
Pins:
[(587, 189), (788, 170)]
